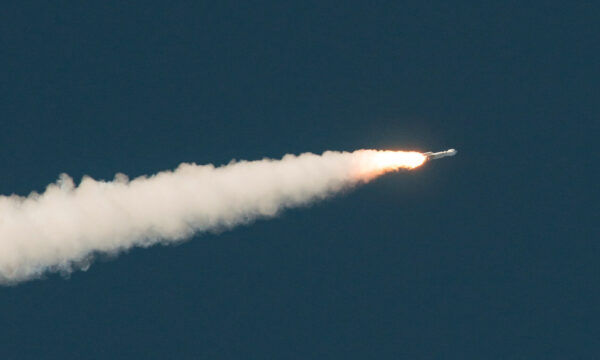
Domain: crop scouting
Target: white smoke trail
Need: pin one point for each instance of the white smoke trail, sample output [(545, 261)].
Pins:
[(62, 228)]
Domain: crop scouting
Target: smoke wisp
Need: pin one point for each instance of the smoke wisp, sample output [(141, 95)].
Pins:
[(62, 228)]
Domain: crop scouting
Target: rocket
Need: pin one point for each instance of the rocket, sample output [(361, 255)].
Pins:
[(439, 155)]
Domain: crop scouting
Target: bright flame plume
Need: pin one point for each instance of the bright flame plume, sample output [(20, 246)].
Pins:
[(378, 162)]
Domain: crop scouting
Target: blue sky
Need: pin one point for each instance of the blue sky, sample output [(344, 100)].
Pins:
[(490, 254)]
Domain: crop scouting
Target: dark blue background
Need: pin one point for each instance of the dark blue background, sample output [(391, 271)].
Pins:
[(489, 255)]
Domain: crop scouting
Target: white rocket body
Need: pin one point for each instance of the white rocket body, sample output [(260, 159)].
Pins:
[(439, 155)]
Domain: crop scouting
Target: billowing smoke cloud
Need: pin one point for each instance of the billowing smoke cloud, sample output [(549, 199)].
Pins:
[(61, 229)]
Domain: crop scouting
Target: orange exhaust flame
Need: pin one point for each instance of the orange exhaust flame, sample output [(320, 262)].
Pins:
[(377, 162), (394, 160)]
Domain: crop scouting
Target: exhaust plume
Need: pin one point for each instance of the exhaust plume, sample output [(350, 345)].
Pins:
[(61, 229)]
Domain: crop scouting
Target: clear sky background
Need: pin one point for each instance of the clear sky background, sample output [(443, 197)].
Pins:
[(492, 254)]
